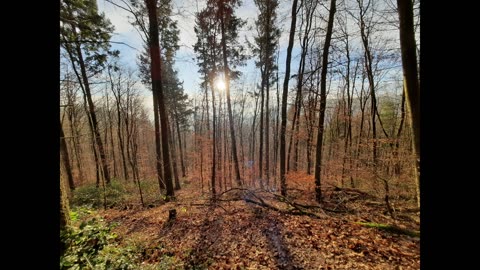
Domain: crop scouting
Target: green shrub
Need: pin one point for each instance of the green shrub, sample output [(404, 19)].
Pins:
[(89, 195), (93, 246)]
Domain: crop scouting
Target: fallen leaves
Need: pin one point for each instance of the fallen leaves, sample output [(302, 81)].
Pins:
[(247, 236)]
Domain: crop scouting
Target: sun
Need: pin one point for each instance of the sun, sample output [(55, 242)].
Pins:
[(220, 84)]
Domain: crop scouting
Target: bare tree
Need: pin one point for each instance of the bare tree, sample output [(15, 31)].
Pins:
[(323, 99), (283, 182)]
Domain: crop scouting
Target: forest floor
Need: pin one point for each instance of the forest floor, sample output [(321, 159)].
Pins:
[(237, 233)]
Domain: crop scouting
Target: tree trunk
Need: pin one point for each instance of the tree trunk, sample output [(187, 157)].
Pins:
[(112, 145), (156, 75), (76, 145), (267, 130), (242, 152), (158, 151), (184, 173), (229, 104), (397, 138), (64, 212), (171, 132), (66, 159), (91, 111), (294, 121), (118, 100), (214, 144), (323, 99), (221, 165), (277, 124), (369, 68), (410, 76), (283, 184), (252, 145), (261, 131)]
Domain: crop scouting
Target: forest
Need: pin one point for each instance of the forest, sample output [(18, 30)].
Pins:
[(230, 134)]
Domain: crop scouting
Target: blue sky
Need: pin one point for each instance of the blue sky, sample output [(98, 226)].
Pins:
[(184, 12), (185, 58)]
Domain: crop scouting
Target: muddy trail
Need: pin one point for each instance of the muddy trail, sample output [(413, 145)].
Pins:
[(235, 233)]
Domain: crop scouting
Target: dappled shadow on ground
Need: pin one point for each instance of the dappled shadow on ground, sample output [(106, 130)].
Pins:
[(198, 255), (241, 235), (279, 249)]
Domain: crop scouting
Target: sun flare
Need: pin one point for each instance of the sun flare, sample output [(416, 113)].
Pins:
[(220, 84)]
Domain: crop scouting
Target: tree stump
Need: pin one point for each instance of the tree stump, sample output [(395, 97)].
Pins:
[(172, 215)]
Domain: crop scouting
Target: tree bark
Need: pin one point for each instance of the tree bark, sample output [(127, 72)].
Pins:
[(184, 173), (91, 111), (158, 150), (118, 100), (410, 76), (171, 132), (229, 104), (66, 159), (214, 140), (283, 182), (369, 68), (323, 99), (156, 75), (261, 131)]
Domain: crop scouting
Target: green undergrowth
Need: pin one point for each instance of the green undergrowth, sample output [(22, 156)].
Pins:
[(91, 244), (118, 193), (390, 228), (91, 196)]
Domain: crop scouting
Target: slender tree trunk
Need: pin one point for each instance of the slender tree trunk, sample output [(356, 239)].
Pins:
[(308, 123), (112, 145), (64, 213), (241, 135), (214, 144), (323, 99), (97, 167), (283, 182), (410, 76), (267, 130), (348, 125), (301, 69), (277, 124), (171, 132), (82, 87), (219, 142), (373, 105), (260, 150), (76, 145), (131, 144), (91, 111), (184, 173), (118, 100), (136, 173), (121, 141), (158, 151), (105, 133), (200, 148), (225, 153), (230, 115), (290, 143), (66, 159), (397, 138), (157, 89), (252, 145)]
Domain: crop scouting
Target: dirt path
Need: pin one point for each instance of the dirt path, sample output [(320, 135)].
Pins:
[(241, 235)]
